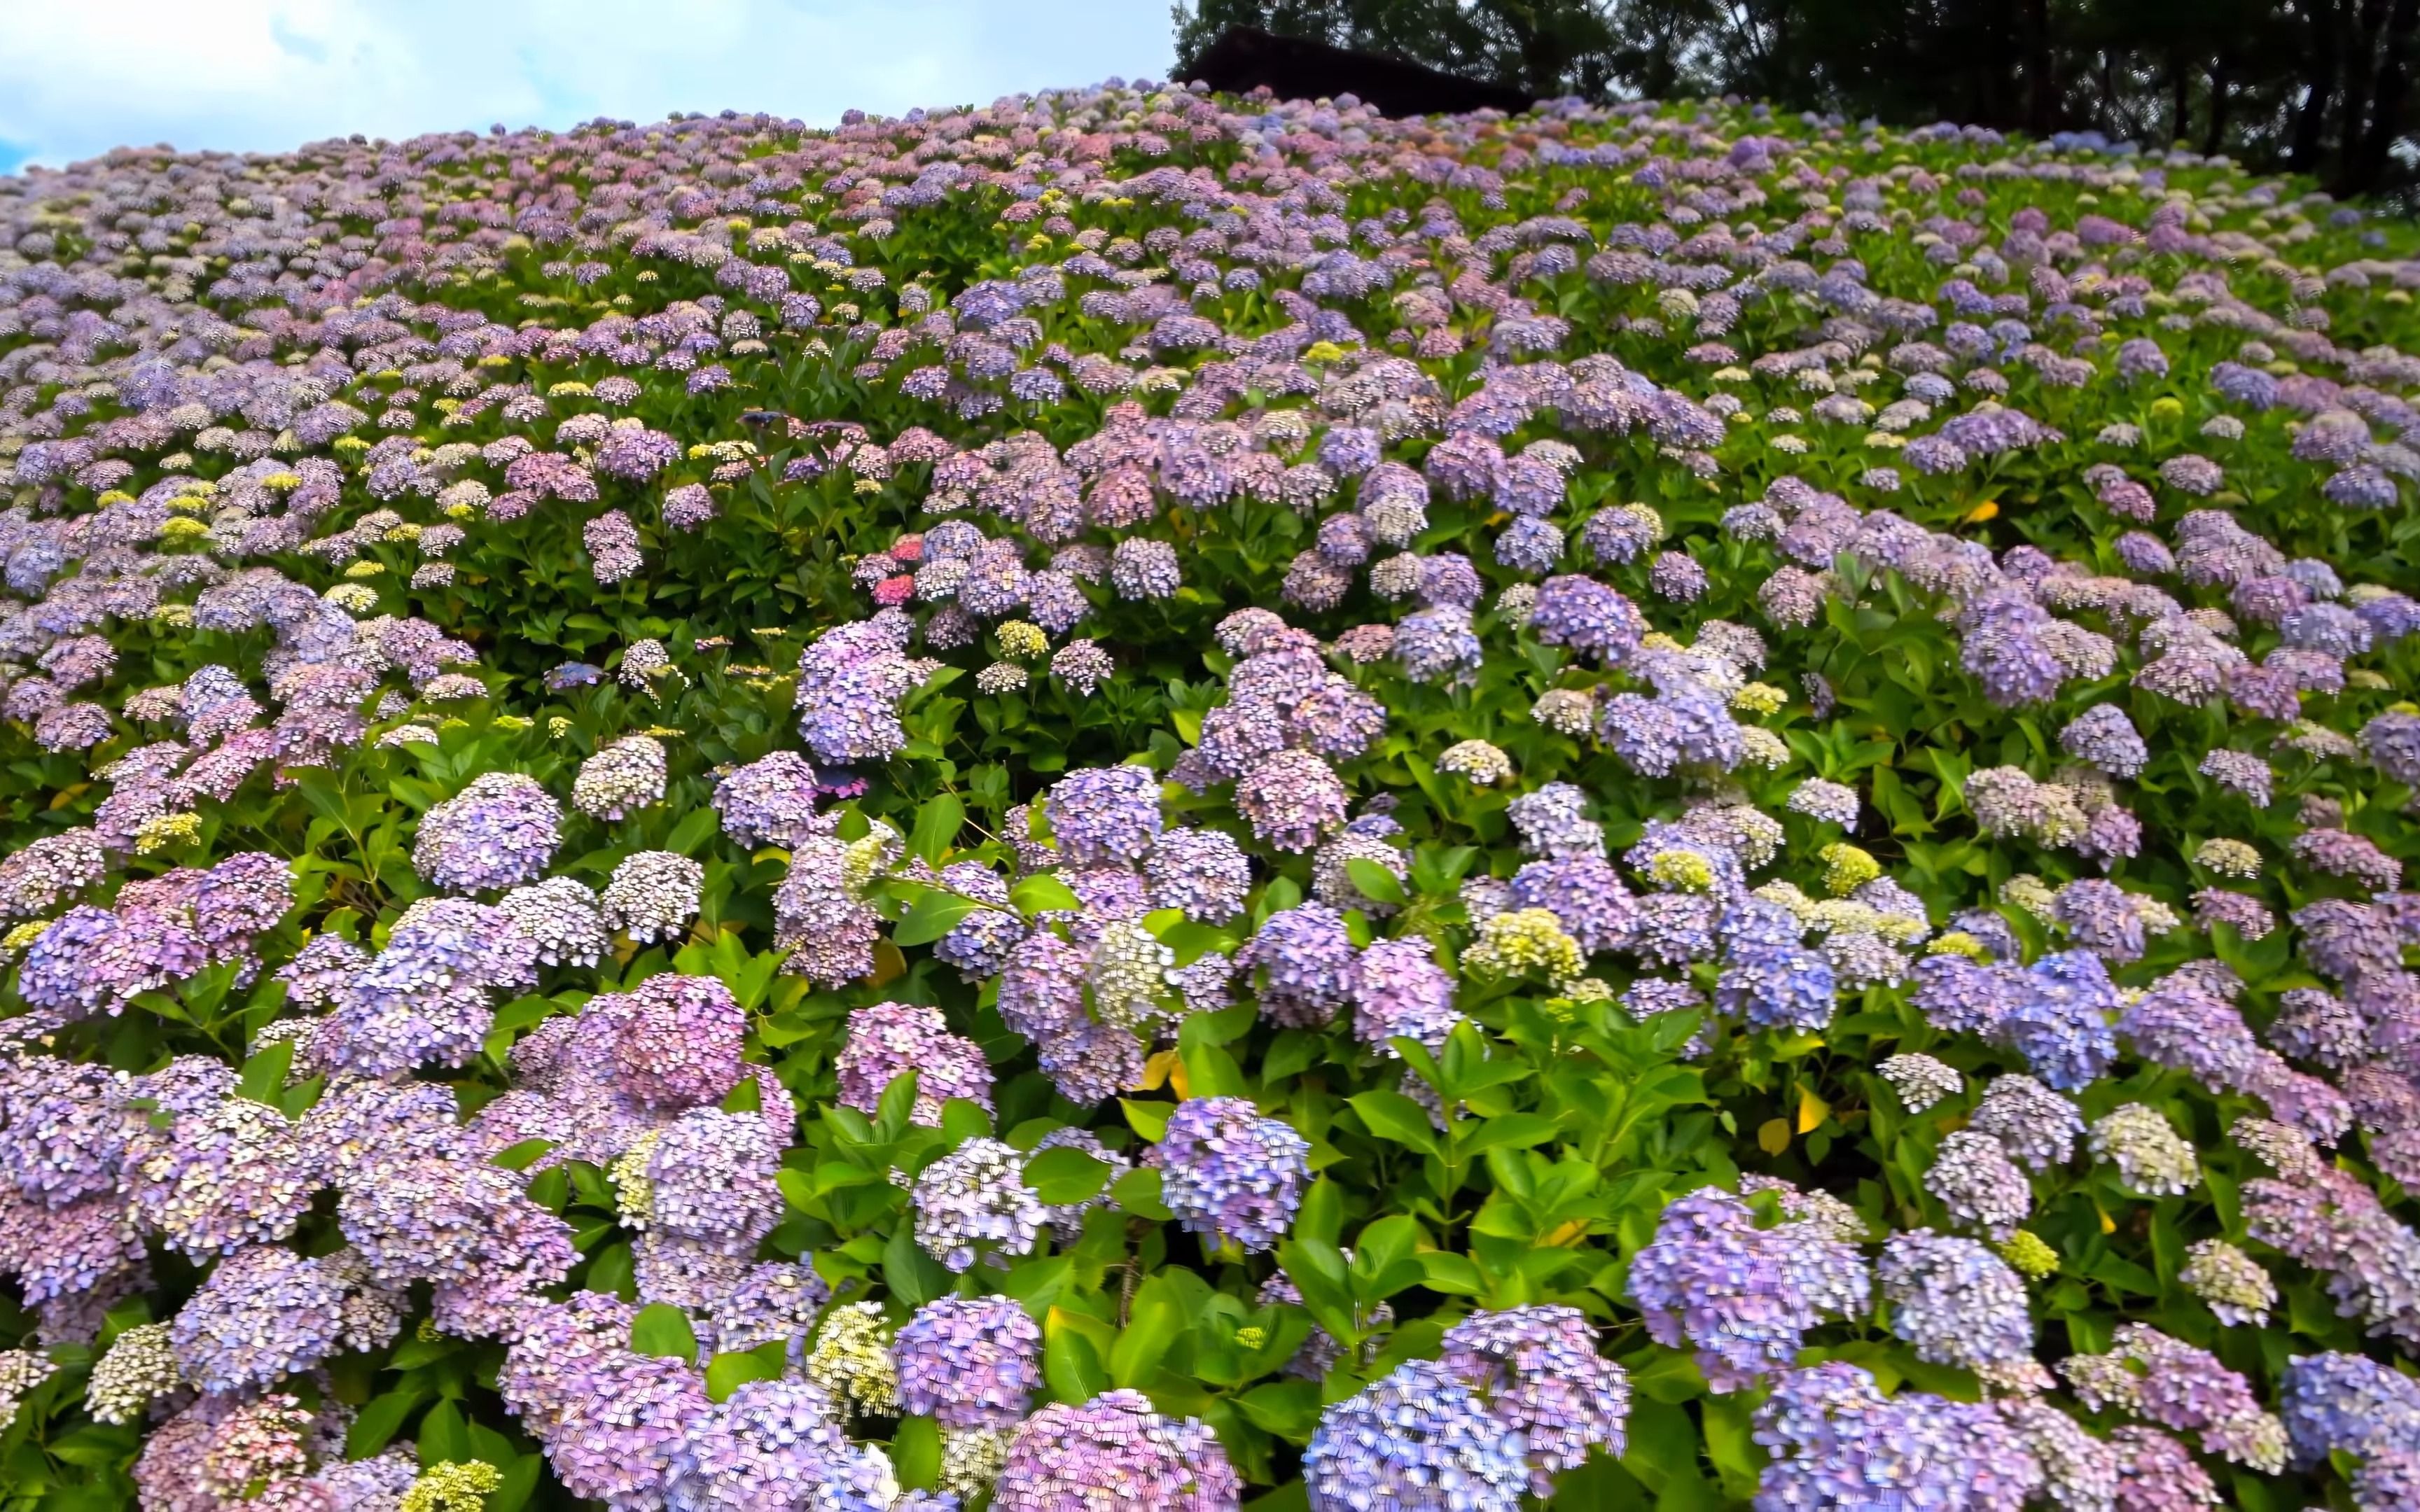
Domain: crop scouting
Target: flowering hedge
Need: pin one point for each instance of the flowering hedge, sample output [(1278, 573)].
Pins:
[(1135, 800)]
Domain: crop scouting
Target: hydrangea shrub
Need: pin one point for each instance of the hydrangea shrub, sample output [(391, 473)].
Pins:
[(1138, 799)]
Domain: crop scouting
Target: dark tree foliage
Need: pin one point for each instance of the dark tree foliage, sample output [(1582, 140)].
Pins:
[(2322, 87)]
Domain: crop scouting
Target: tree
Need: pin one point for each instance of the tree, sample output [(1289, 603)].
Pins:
[(2320, 86)]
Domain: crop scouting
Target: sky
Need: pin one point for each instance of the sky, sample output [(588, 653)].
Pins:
[(78, 77)]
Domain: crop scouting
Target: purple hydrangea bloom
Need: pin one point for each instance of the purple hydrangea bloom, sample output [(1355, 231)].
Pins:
[(1304, 960), (1538, 1371), (1399, 990), (1203, 872), (2059, 1019), (1744, 1297), (973, 1362), (1585, 615), (770, 801), (1231, 1175), (500, 831), (767, 1447), (1417, 1437), (1114, 1451), (1954, 1300), (890, 1040)]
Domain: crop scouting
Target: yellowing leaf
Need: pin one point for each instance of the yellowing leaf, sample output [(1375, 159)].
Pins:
[(1812, 1110), (68, 795), (1988, 509), (1568, 1233), (1773, 1138), (889, 965), (1156, 1070)]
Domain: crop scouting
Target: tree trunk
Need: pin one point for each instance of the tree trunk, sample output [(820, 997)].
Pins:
[(2215, 136), (2038, 101), (2360, 54), (2178, 83), (2320, 87), (2392, 96)]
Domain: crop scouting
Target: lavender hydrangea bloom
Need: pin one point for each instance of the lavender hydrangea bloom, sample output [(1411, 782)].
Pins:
[(264, 1313), (1104, 815), (2033, 1124), (1590, 618), (1743, 1296), (973, 1363), (1416, 1438), (1203, 872), (1304, 959), (973, 1205), (1399, 990), (2059, 1020), (1115, 1450), (1229, 1174), (1955, 1301), (1838, 1439), (769, 1445), (426, 997), (890, 1040), (500, 831), (93, 960), (1537, 1371), (770, 801), (2103, 736)]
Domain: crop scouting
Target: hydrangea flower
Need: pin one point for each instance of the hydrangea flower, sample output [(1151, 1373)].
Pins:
[(1229, 1174)]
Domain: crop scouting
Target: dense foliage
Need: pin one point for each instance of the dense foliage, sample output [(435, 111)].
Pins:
[(1139, 800), (2322, 86)]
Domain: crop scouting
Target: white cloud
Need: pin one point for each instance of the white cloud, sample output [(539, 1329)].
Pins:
[(78, 77)]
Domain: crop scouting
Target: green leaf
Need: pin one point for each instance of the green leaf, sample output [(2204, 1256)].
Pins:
[(661, 1329), (914, 1277), (892, 1111), (934, 914), (1509, 1131), (727, 1373), (1149, 1119), (1071, 1364), (695, 831), (1064, 1175), (265, 1073), (521, 1481), (1289, 1408), (937, 824), (443, 1435), (1373, 881), (614, 1272), (1043, 892), (1394, 1116), (916, 1453), (1383, 1242), (1154, 1324), (380, 1420), (1138, 1192), (1321, 1214), (1455, 1275), (1731, 1446), (1663, 1446), (1210, 1071), (962, 1119), (1225, 1027), (521, 1156), (1291, 1053)]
